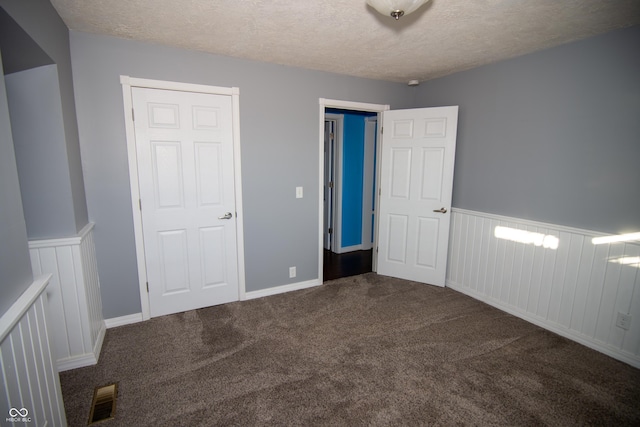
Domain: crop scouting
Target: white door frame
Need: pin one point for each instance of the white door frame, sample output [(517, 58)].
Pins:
[(336, 212), (345, 105), (367, 181), (129, 82), (336, 178)]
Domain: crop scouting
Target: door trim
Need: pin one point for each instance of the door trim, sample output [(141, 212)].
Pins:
[(367, 190), (336, 238), (345, 105), (129, 82)]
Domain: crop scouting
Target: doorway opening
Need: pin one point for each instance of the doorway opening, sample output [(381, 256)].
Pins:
[(348, 146)]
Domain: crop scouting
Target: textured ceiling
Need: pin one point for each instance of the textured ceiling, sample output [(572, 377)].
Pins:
[(349, 37)]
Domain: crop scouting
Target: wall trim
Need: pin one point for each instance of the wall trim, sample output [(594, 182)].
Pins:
[(369, 177), (129, 319), (74, 299), (76, 362), (575, 289), (28, 368), (564, 332), (336, 236), (282, 289), (183, 87), (530, 222), (24, 302), (63, 241)]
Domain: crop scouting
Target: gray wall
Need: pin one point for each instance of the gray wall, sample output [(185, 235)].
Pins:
[(19, 51), (41, 155), (279, 137), (553, 136), (40, 21), (15, 264)]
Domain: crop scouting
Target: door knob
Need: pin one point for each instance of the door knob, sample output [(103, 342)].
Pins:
[(441, 210), (226, 216)]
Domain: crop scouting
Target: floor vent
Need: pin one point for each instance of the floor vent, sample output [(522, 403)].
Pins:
[(103, 406)]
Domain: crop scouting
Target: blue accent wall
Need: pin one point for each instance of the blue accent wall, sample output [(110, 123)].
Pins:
[(352, 174), (352, 168)]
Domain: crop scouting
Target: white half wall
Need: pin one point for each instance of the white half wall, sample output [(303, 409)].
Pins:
[(28, 372), (74, 297), (576, 290)]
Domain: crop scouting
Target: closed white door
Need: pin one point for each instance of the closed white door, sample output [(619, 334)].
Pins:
[(184, 145), (418, 153)]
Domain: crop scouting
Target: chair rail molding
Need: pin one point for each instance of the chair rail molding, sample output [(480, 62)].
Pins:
[(74, 296), (550, 275), (29, 375)]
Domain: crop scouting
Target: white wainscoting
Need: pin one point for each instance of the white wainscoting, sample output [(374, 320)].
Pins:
[(576, 290), (29, 376), (74, 297)]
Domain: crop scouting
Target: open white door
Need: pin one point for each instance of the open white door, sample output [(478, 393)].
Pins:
[(416, 181)]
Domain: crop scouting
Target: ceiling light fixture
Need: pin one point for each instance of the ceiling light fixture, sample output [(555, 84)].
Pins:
[(396, 8)]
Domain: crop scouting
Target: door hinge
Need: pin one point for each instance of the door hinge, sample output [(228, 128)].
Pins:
[(376, 249), (330, 184), (380, 191), (330, 230), (147, 287), (381, 130), (133, 115), (140, 203), (331, 135)]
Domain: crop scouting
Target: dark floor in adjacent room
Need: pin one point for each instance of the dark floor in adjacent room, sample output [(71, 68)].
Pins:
[(346, 264)]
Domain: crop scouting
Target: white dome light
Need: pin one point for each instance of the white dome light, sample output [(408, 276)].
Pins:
[(396, 8)]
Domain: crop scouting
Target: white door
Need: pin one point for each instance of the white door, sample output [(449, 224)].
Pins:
[(418, 153), (184, 145)]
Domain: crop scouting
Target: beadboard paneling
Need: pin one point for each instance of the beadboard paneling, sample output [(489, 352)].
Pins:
[(575, 290), (74, 297), (92, 287), (29, 376)]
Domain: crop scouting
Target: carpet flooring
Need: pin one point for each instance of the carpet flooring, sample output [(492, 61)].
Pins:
[(362, 350)]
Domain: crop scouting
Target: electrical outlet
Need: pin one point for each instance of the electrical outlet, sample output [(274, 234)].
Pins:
[(623, 321), (298, 192), (292, 272)]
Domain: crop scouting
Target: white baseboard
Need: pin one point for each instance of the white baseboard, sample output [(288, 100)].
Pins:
[(129, 319), (575, 288), (558, 329), (281, 289), (75, 362)]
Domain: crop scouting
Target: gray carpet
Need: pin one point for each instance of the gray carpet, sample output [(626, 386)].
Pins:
[(363, 350)]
